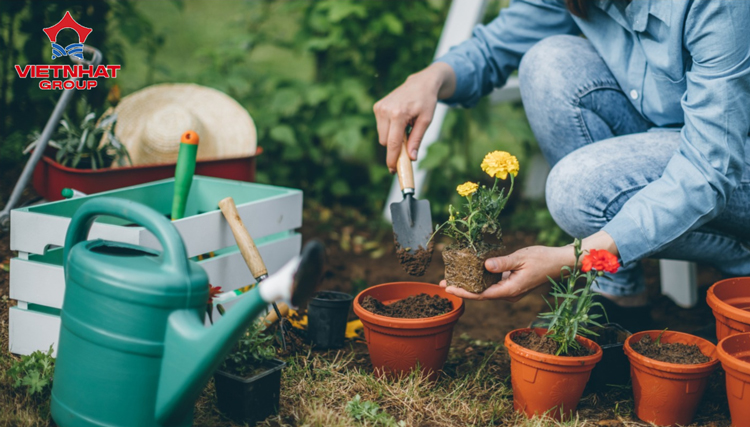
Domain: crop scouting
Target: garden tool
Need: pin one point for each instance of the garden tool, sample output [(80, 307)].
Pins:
[(412, 220), (184, 171), (133, 347), (248, 250), (41, 145)]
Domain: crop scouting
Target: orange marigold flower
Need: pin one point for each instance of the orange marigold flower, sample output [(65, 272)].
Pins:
[(600, 260)]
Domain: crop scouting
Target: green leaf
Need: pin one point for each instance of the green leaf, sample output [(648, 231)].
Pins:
[(284, 134)]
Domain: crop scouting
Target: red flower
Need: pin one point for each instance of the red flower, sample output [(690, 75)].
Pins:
[(212, 292), (600, 260)]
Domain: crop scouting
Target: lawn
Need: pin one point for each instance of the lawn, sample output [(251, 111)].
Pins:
[(320, 388)]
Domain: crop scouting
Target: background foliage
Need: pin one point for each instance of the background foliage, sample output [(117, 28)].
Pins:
[(307, 71)]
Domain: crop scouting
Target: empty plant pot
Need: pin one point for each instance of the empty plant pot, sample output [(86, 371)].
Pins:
[(396, 345), (250, 400), (327, 313), (730, 301), (668, 393), (614, 368), (734, 354), (548, 384)]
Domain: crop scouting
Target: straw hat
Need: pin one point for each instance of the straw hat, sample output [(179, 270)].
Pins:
[(151, 121)]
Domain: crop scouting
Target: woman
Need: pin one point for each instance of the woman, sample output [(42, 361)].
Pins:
[(644, 121)]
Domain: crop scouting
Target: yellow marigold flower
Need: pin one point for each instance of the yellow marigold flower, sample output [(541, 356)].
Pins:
[(467, 188), (498, 164)]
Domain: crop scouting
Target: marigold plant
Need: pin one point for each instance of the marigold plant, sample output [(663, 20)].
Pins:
[(479, 216), (569, 316)]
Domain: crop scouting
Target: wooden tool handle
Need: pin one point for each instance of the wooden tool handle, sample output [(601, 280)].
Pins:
[(272, 318), (247, 247), (403, 168)]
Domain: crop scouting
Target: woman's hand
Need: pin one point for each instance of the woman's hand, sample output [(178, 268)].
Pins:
[(528, 268), (412, 103), (523, 271)]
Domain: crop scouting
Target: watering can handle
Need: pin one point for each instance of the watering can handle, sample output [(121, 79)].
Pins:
[(173, 252)]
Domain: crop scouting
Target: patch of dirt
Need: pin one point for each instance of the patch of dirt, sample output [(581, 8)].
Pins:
[(464, 268), (681, 354), (415, 262), (413, 307), (544, 344)]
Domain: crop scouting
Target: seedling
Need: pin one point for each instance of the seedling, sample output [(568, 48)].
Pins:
[(34, 372), (569, 316), (658, 339)]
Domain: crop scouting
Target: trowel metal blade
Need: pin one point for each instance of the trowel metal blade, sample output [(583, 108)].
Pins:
[(309, 272), (412, 223)]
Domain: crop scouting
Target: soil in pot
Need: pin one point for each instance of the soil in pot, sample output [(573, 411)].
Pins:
[(414, 263), (681, 354), (414, 307), (544, 344), (464, 268)]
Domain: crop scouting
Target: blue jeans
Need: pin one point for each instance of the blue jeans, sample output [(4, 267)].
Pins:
[(602, 152)]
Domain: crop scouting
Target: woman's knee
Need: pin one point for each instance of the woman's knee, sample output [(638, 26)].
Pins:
[(574, 198)]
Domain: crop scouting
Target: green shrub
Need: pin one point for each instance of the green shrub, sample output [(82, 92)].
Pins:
[(34, 372)]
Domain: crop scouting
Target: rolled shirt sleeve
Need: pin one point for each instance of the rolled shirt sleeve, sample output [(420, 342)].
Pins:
[(494, 51), (710, 160)]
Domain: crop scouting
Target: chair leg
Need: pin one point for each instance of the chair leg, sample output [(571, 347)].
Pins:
[(679, 281)]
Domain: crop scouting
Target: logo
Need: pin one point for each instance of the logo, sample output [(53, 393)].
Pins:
[(74, 73), (75, 49)]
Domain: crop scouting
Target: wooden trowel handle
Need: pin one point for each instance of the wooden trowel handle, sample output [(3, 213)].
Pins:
[(403, 168), (272, 318), (247, 247)]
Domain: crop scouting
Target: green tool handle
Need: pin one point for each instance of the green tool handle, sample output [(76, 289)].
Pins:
[(173, 253), (184, 171)]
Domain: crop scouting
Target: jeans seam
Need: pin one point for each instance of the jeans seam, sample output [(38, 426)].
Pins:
[(583, 91)]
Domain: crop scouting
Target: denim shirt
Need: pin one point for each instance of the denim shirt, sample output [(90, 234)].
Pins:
[(683, 64)]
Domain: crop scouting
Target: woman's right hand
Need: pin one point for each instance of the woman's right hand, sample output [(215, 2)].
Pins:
[(413, 103)]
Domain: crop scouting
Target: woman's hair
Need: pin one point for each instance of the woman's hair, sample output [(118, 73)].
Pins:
[(578, 8)]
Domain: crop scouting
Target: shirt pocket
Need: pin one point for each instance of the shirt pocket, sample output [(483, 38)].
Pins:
[(670, 92)]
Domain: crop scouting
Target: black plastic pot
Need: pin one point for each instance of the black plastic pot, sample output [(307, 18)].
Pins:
[(250, 400), (327, 313), (614, 368)]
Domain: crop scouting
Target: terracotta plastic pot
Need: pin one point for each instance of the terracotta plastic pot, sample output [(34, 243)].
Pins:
[(548, 384), (399, 345), (730, 301), (668, 393), (734, 354)]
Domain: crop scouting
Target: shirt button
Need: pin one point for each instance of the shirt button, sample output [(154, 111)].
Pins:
[(634, 94)]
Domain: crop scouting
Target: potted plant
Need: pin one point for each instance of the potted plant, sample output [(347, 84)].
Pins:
[(408, 325), (669, 372), (734, 354), (550, 366), (248, 383), (478, 221)]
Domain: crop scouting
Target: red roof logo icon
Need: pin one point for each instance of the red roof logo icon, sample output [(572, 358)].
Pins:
[(67, 22)]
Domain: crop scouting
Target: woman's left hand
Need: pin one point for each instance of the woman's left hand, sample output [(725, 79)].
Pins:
[(523, 271)]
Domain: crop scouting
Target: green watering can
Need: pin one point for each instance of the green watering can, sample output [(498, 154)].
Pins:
[(133, 348)]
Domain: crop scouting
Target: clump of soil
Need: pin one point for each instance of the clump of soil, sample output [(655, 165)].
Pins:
[(544, 344), (414, 262), (681, 354), (413, 307), (464, 268)]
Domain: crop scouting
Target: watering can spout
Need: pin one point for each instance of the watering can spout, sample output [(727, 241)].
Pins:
[(192, 352)]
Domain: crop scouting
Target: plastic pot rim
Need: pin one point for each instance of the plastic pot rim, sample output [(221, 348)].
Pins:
[(278, 365), (724, 308), (675, 368), (552, 359), (729, 359), (398, 323)]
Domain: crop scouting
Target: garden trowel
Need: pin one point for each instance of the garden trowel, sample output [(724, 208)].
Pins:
[(412, 221)]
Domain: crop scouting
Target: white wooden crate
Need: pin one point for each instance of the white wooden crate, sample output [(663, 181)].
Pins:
[(36, 275)]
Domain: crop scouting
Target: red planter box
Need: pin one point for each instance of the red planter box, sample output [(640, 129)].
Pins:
[(50, 177)]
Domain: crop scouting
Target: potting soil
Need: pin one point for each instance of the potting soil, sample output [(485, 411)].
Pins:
[(464, 268), (682, 354), (546, 345), (413, 307), (415, 263)]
